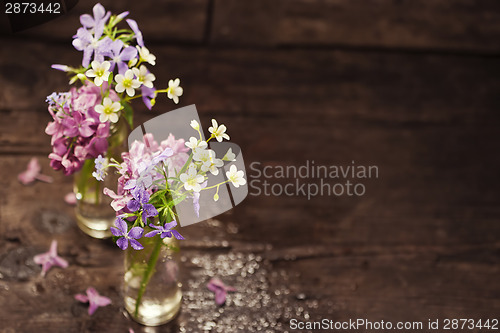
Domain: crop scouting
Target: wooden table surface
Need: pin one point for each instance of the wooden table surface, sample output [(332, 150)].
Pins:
[(409, 86)]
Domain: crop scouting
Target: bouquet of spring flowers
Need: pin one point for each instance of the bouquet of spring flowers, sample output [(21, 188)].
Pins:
[(154, 179), (113, 72)]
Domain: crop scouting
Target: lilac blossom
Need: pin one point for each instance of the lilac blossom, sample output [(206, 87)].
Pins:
[(119, 56), (220, 289), (126, 237), (78, 125), (94, 299), (140, 202), (164, 230), (50, 258)]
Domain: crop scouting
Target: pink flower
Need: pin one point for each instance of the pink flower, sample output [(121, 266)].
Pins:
[(94, 299), (32, 173), (220, 290), (50, 258)]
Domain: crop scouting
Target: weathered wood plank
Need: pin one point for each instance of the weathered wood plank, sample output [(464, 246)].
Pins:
[(166, 20), (464, 25)]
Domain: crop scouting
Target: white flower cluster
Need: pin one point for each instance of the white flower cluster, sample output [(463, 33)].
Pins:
[(204, 160)]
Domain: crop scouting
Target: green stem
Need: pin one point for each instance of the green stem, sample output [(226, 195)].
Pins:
[(97, 191), (148, 273)]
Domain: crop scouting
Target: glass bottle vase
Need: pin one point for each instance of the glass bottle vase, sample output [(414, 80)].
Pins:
[(151, 288), (94, 214)]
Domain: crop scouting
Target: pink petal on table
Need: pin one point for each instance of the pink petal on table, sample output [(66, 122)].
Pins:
[(70, 198), (50, 258), (94, 299), (32, 173)]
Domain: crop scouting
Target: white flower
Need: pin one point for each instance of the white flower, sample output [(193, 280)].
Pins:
[(236, 177), (192, 180), (194, 124), (108, 110), (174, 91), (127, 82), (195, 144), (145, 77), (212, 164), (230, 156), (100, 71), (146, 56), (219, 132), (202, 155)]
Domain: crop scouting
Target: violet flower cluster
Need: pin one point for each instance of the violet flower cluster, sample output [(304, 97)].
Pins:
[(114, 71), (157, 176)]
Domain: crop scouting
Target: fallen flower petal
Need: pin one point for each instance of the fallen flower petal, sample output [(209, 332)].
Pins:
[(50, 258), (70, 198), (220, 289), (32, 173), (94, 299)]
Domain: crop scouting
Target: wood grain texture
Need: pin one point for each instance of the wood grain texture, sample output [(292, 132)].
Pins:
[(465, 25)]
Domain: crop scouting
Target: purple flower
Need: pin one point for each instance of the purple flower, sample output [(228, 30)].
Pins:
[(90, 44), (164, 230), (94, 299), (125, 238), (147, 95), (220, 289), (135, 28), (78, 125), (119, 56), (98, 21), (140, 201), (50, 258), (99, 143)]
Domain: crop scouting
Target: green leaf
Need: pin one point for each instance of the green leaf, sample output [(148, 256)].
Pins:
[(128, 114)]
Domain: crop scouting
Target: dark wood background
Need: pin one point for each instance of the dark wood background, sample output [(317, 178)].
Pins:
[(410, 86)]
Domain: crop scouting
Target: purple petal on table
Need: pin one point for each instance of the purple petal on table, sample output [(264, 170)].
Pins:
[(82, 298), (136, 232), (50, 258), (136, 245), (122, 243), (220, 296), (94, 299)]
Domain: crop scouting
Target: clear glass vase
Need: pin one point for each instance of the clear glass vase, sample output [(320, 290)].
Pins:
[(93, 211), (151, 288)]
